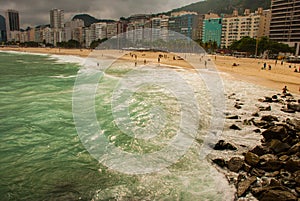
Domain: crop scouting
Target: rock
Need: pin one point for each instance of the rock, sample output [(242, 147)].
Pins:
[(293, 164), (268, 108), (296, 175), (277, 146), (260, 150), (284, 158), (269, 118), (278, 195), (257, 131), (243, 186), (268, 100), (295, 123), (256, 114), (220, 162), (233, 117), (238, 106), (275, 132), (247, 122), (235, 164), (222, 145), (251, 158), (272, 174), (275, 97), (295, 107), (274, 182), (235, 127), (247, 167), (263, 124), (286, 179), (287, 110), (270, 162), (257, 172)]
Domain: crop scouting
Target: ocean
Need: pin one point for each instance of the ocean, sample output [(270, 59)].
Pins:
[(44, 155)]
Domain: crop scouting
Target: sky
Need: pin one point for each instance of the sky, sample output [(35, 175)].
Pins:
[(36, 12)]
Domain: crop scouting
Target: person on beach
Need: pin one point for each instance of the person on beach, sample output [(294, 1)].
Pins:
[(205, 63), (284, 90), (135, 63), (270, 67), (158, 59), (265, 66), (282, 62), (145, 62), (276, 62)]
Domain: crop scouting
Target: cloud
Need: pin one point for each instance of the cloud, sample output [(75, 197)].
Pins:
[(35, 12)]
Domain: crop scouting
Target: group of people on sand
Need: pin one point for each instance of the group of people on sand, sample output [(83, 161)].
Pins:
[(265, 66)]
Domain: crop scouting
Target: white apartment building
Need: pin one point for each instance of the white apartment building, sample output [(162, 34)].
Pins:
[(236, 27)]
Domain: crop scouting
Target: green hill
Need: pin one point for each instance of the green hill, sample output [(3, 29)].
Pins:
[(88, 20), (225, 6)]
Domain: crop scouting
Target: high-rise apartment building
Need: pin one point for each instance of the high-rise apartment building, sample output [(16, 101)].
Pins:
[(2, 29), (212, 30), (56, 18), (285, 22), (12, 25), (236, 27)]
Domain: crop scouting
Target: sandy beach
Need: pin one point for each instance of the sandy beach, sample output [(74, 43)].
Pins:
[(247, 69)]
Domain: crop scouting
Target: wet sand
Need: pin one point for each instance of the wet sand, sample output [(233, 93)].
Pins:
[(248, 69)]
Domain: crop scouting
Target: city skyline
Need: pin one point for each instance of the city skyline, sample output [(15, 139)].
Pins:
[(39, 13)]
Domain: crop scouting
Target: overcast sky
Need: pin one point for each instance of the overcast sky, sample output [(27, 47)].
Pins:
[(36, 12)]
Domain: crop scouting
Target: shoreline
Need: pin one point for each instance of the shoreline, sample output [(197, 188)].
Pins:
[(247, 69)]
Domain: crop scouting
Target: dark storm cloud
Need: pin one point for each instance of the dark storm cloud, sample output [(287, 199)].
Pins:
[(34, 12)]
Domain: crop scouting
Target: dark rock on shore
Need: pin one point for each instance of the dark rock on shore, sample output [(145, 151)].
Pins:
[(220, 162), (235, 127), (222, 145), (243, 186), (235, 164), (270, 171)]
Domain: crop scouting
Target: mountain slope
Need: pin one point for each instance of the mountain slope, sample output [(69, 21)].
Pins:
[(225, 6)]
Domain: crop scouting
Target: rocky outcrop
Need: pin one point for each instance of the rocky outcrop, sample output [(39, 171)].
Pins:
[(270, 171)]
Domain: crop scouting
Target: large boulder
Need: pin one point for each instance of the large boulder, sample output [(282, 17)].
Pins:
[(260, 150), (278, 195), (243, 186), (220, 162), (295, 107), (273, 193), (277, 146), (251, 158), (293, 164), (235, 164), (275, 132), (270, 162), (269, 118), (222, 145)]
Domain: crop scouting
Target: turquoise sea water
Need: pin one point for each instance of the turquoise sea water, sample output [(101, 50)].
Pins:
[(42, 157)]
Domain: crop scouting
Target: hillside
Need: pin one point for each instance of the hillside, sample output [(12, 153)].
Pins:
[(88, 20), (225, 6)]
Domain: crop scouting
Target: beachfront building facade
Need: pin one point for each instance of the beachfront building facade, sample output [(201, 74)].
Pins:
[(185, 23), (57, 25), (56, 18), (138, 28), (160, 26), (2, 29), (285, 22), (236, 27), (212, 30), (12, 25)]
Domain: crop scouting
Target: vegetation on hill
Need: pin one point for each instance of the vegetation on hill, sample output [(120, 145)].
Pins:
[(88, 20), (225, 6)]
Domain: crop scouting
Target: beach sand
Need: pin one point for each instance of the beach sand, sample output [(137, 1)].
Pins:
[(248, 69)]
